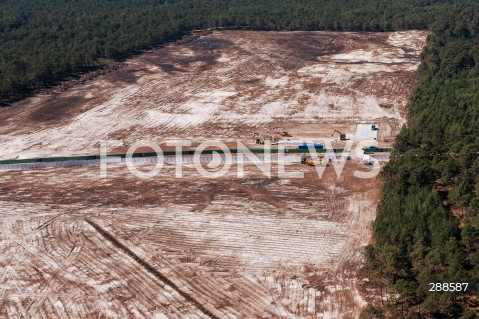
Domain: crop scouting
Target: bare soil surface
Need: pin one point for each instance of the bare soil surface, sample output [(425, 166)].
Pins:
[(226, 85), (74, 245)]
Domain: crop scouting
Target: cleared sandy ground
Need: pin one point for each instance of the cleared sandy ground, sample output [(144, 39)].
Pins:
[(73, 245), (241, 248), (226, 85)]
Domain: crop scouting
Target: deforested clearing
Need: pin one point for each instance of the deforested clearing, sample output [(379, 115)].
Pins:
[(225, 85), (75, 245), (242, 248)]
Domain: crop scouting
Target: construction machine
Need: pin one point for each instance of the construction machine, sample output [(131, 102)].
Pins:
[(309, 161), (285, 134), (342, 136), (258, 139), (262, 139)]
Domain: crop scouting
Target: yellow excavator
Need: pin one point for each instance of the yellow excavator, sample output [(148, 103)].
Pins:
[(342, 136)]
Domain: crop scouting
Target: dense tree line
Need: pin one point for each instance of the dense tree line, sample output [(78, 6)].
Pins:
[(427, 227), (45, 41)]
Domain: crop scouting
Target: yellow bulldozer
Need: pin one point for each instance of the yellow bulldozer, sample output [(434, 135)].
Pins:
[(261, 140), (310, 162), (307, 161), (258, 139)]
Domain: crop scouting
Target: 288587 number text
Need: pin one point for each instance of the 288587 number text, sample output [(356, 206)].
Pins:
[(451, 286)]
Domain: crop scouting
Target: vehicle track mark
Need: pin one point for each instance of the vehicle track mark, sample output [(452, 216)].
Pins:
[(151, 269)]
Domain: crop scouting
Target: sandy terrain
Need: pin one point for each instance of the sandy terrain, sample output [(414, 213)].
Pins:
[(226, 85), (249, 248), (73, 245)]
